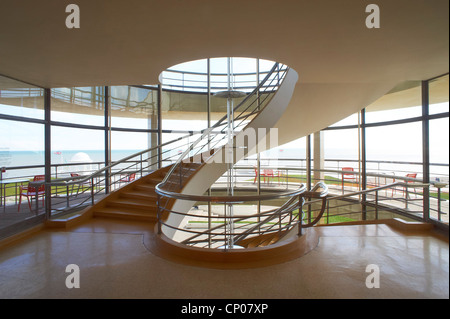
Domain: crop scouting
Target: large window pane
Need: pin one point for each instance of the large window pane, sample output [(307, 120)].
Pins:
[(438, 90), (340, 153), (77, 150), (124, 144), (402, 102), (395, 150), (20, 99), (21, 145), (439, 149), (81, 105), (133, 107), (182, 111)]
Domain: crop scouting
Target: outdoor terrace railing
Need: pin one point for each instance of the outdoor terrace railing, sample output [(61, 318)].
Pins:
[(406, 195), (409, 197), (94, 185), (366, 205)]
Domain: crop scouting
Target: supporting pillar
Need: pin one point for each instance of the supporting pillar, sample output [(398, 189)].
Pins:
[(159, 110), (426, 148), (152, 125), (47, 153), (107, 140), (319, 157), (363, 170), (308, 177)]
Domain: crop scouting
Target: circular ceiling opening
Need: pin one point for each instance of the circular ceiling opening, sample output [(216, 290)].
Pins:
[(216, 75)]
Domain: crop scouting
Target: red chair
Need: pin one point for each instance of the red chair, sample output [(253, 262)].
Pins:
[(128, 178), (348, 176), (30, 192), (411, 175), (270, 174), (261, 175)]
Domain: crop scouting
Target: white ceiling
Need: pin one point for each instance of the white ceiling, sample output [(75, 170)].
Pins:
[(342, 65)]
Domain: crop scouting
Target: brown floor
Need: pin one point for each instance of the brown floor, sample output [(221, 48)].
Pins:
[(114, 263)]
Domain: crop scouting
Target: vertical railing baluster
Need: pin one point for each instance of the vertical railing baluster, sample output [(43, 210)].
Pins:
[(376, 205), (92, 190), (300, 217), (158, 213)]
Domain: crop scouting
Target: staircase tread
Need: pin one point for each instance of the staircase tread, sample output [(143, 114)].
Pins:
[(140, 194), (144, 186), (132, 202), (118, 210)]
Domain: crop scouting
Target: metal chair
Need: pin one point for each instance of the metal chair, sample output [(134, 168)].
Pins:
[(127, 179), (348, 176), (30, 191), (410, 175)]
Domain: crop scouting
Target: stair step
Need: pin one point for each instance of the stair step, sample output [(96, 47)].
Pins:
[(133, 203), (147, 188), (114, 212), (140, 194), (269, 241)]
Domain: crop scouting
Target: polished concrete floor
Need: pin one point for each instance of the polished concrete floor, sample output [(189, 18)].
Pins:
[(115, 263)]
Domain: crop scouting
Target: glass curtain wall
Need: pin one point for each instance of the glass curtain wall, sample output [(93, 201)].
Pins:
[(22, 151), (56, 132), (22, 128), (134, 120), (439, 147), (77, 132), (184, 101)]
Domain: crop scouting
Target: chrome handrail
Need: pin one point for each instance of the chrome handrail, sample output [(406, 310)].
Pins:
[(97, 173), (95, 183), (228, 199), (375, 189), (286, 210)]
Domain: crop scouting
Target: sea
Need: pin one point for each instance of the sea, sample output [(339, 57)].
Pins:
[(26, 164)]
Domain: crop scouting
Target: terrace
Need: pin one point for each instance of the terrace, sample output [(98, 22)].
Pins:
[(385, 196)]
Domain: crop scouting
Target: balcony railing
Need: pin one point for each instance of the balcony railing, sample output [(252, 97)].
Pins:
[(392, 194)]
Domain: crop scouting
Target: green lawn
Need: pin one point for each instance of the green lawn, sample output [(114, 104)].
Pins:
[(12, 189)]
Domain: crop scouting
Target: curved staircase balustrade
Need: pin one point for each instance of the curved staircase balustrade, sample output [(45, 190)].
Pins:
[(267, 227), (155, 193), (199, 158)]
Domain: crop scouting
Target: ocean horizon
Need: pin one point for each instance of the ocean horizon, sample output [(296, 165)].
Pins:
[(16, 161)]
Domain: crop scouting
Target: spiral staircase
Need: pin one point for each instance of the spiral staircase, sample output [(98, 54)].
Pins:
[(163, 195)]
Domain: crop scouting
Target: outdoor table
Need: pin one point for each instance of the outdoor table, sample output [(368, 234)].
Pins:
[(3, 189), (440, 185)]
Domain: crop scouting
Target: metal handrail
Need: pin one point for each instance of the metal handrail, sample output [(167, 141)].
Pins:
[(264, 226), (239, 110), (97, 173), (229, 199), (96, 182), (376, 189)]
